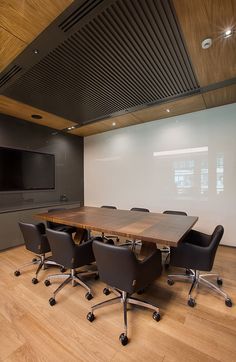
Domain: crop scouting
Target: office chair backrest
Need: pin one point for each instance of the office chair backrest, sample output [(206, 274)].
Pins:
[(116, 265), (214, 243), (50, 224), (173, 212), (139, 209), (34, 238), (62, 247), (109, 207)]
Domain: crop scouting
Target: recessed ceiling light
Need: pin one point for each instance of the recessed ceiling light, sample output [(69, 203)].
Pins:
[(36, 51), (167, 110), (36, 116), (206, 43), (228, 33), (113, 123)]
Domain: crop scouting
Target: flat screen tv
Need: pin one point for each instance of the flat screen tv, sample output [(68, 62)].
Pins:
[(26, 170)]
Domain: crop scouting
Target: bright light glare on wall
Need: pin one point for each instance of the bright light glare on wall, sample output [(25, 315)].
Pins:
[(181, 151)]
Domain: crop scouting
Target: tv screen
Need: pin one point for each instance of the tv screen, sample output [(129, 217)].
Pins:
[(26, 170)]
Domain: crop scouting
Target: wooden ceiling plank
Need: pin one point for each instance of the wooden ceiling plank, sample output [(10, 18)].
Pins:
[(13, 108), (221, 96), (10, 47), (181, 106), (201, 19), (27, 19)]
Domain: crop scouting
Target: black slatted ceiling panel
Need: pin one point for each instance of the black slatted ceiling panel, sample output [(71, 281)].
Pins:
[(130, 54)]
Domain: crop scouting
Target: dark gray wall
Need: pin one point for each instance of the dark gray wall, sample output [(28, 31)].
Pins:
[(68, 151)]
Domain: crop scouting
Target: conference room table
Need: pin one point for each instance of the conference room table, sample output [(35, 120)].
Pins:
[(164, 229)]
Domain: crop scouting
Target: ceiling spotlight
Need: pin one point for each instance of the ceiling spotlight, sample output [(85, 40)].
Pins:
[(228, 33), (113, 123), (206, 43), (36, 116), (36, 51), (167, 110)]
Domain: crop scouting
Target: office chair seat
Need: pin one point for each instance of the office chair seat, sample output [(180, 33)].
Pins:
[(126, 275), (195, 253)]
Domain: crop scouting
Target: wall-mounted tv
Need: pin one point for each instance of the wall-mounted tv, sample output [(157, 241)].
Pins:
[(26, 170)]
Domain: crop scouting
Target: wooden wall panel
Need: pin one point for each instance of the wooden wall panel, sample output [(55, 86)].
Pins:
[(200, 19), (16, 109), (220, 96)]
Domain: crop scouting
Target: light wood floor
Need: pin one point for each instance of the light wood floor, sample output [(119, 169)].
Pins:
[(32, 330)]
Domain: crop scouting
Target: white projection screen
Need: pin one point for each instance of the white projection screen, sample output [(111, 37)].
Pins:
[(183, 163)]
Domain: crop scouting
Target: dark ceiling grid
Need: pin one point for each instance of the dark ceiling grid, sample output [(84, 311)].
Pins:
[(111, 56), (10, 74)]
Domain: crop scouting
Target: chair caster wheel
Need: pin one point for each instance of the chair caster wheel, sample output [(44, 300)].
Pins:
[(90, 317), (17, 273), (34, 260), (106, 291), (228, 302), (88, 296), (170, 282), (123, 339), (219, 281), (156, 316), (191, 302), (62, 269), (52, 301), (47, 282), (96, 277), (35, 281)]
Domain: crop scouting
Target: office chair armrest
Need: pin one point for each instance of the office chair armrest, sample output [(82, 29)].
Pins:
[(198, 238), (84, 253), (149, 268), (41, 228)]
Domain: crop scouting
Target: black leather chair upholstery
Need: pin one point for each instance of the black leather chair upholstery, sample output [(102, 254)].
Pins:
[(119, 268), (72, 256), (166, 249), (195, 253), (60, 227), (36, 241)]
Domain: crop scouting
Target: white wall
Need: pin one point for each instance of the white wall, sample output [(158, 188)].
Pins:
[(198, 177)]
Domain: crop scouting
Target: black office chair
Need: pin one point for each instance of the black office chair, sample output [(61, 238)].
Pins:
[(166, 249), (195, 253), (72, 256), (134, 243), (108, 238), (36, 242), (60, 227), (119, 268)]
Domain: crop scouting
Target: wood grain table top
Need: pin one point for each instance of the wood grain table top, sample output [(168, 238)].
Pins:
[(148, 226)]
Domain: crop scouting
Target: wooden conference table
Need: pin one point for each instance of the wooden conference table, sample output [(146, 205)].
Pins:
[(151, 227)]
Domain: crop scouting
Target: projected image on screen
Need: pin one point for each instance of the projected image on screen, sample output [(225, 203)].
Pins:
[(26, 170)]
